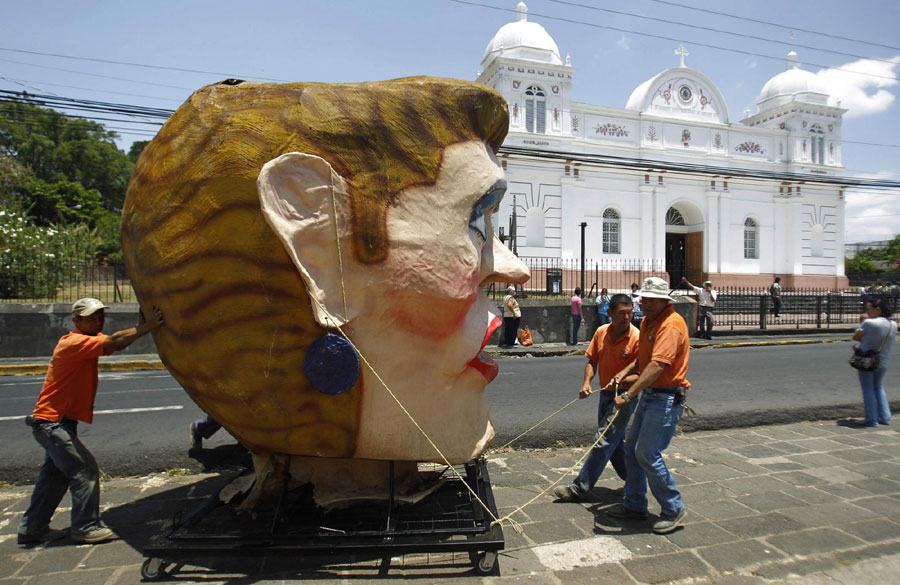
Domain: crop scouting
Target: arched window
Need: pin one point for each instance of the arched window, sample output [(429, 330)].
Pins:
[(611, 231), (818, 241), (674, 217), (751, 238), (535, 110), (534, 226), (817, 144)]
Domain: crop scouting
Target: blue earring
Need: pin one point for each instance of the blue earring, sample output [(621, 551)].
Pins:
[(331, 364)]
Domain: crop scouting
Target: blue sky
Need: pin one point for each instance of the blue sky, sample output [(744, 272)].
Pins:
[(353, 40)]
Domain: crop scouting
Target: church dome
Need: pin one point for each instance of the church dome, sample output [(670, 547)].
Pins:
[(523, 40), (792, 84)]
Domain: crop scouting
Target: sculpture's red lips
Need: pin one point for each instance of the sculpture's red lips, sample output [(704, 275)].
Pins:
[(482, 362)]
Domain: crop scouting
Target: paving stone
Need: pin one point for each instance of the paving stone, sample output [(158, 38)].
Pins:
[(821, 540), (833, 514), (852, 441), (858, 455), (820, 445), (874, 530), (791, 568), (704, 492), (878, 485), (885, 437), (665, 568), (780, 433), (815, 429), (888, 451), (711, 472), (812, 495), (539, 511), (534, 579), (847, 492), (553, 531), (513, 496), (79, 577), (735, 580), (700, 534), (799, 478), (60, 556), (839, 475), (738, 555), (788, 466), (818, 460), (771, 501), (517, 562), (761, 525), (790, 447), (879, 469), (882, 505), (745, 466), (872, 551), (644, 543), (721, 509), (606, 574), (729, 441), (113, 554), (755, 485), (753, 438), (756, 451)]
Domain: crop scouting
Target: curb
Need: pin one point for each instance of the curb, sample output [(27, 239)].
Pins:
[(39, 369)]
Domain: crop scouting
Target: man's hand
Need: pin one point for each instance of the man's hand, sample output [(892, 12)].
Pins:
[(620, 400), (585, 390), (157, 316)]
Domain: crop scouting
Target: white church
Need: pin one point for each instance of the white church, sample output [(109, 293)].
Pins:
[(733, 227)]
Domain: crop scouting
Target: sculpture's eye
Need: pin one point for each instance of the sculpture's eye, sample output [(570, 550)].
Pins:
[(486, 205)]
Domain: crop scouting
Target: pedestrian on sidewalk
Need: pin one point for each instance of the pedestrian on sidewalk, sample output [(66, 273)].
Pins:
[(203, 428), (663, 353), (706, 303), (66, 398), (612, 350), (636, 303), (576, 314), (775, 293), (602, 305), (877, 330), (512, 314)]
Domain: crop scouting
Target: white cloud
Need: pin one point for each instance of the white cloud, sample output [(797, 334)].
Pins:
[(862, 85), (872, 214), (623, 42)]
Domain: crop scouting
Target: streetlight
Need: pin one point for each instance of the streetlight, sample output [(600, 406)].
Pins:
[(583, 226)]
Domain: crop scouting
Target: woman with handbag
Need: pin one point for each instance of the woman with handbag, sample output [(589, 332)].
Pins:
[(875, 339), (512, 314)]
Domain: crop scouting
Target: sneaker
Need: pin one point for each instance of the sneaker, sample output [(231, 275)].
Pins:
[(93, 535), (622, 513), (668, 524), (46, 535), (196, 437), (566, 493)]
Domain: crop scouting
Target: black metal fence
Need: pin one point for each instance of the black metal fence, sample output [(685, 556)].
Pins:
[(48, 278)]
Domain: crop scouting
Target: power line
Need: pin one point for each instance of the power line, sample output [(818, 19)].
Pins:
[(715, 30), (92, 89), (131, 64), (97, 75), (665, 38), (775, 24)]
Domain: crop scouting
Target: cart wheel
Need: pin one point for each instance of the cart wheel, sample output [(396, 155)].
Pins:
[(485, 563), (153, 569)]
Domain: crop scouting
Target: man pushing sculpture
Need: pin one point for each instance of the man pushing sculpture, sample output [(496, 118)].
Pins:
[(269, 221)]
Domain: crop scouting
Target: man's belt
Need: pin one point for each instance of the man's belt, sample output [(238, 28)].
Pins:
[(665, 390)]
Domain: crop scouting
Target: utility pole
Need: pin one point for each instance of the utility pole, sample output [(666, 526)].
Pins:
[(583, 226)]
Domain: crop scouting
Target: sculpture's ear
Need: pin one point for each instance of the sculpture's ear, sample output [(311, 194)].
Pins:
[(299, 195)]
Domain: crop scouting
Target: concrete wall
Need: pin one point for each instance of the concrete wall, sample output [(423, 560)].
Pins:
[(32, 329)]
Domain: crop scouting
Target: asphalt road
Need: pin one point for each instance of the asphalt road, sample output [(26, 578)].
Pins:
[(142, 418)]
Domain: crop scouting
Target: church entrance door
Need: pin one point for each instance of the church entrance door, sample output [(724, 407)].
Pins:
[(676, 257)]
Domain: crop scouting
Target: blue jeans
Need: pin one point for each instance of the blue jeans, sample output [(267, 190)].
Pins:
[(705, 320), (576, 323), (67, 465), (652, 428), (874, 399), (609, 449)]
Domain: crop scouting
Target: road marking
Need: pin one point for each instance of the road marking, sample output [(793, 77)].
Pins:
[(114, 411), (102, 393)]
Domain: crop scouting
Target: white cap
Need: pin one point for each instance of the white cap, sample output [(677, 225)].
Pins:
[(655, 288), (86, 306)]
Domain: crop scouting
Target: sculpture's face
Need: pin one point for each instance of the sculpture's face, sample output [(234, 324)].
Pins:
[(425, 326)]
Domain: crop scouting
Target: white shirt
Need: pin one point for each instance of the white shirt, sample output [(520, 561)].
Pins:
[(707, 297)]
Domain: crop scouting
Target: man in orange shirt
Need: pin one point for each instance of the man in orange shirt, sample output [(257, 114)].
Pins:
[(663, 352), (66, 398), (613, 348)]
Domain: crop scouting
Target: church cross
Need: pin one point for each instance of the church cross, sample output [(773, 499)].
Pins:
[(682, 52)]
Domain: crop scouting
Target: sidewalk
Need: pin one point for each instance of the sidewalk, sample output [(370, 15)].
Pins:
[(804, 504), (132, 362)]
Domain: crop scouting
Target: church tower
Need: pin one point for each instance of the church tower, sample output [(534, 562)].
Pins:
[(523, 63)]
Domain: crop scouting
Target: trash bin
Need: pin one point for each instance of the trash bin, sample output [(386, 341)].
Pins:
[(554, 281)]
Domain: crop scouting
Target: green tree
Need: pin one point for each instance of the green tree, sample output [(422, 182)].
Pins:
[(137, 147), (859, 265)]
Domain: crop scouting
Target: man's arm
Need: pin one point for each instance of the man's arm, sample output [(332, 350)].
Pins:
[(624, 376), (124, 338), (590, 369), (687, 282), (647, 377)]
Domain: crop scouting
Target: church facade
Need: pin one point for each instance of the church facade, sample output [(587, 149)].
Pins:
[(696, 192)]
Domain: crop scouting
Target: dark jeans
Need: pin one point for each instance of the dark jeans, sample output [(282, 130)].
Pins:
[(705, 320), (68, 465), (576, 324), (776, 306), (207, 426), (609, 449), (510, 330)]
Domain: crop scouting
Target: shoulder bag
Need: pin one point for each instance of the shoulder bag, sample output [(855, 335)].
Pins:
[(868, 360)]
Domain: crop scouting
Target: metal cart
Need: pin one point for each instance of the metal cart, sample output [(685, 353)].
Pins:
[(447, 520)]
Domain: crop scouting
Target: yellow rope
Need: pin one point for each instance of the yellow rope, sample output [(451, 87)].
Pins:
[(337, 239), (498, 449)]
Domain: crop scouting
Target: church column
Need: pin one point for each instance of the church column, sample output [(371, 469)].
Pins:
[(660, 206), (839, 253), (781, 260), (711, 243), (646, 225), (570, 233), (726, 239)]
